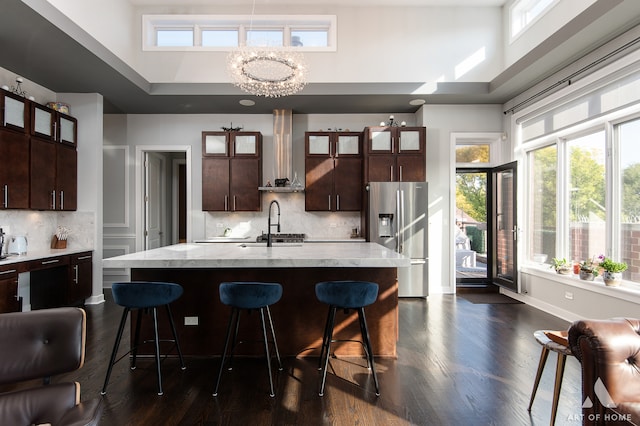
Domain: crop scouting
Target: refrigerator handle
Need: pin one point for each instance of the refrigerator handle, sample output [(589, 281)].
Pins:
[(398, 222), (402, 218)]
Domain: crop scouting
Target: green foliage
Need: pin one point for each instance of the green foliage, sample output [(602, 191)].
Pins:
[(557, 263), (476, 237), (631, 193), (471, 194), (611, 266), (587, 184)]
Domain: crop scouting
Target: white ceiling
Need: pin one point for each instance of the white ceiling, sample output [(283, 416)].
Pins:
[(358, 3)]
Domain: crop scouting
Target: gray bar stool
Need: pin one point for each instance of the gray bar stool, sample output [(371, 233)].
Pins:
[(249, 296), (346, 295), (140, 296)]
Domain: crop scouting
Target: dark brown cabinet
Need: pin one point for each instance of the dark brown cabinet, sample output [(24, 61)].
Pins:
[(14, 112), (53, 173), (80, 280), (50, 124), (333, 171), (395, 154), (231, 171), (9, 300), (14, 177)]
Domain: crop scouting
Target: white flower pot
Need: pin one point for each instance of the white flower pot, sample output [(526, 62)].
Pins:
[(612, 279)]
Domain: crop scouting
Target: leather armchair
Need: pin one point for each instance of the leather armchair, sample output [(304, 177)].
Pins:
[(38, 345), (609, 353)]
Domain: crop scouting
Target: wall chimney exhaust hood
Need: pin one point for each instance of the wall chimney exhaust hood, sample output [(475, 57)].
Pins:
[(283, 151)]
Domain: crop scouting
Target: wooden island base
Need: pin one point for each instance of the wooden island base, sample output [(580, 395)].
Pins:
[(299, 318)]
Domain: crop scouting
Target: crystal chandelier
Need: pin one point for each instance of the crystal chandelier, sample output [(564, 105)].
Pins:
[(267, 71)]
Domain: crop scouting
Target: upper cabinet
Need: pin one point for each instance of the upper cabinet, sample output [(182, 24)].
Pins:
[(333, 171), (395, 154), (14, 112), (231, 171), (49, 124)]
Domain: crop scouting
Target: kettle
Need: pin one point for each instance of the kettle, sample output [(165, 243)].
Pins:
[(18, 245)]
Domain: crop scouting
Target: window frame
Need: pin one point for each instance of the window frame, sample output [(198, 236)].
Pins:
[(517, 12), (151, 23)]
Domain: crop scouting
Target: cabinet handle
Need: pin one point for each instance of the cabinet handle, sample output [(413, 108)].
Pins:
[(53, 199), (75, 269), (338, 202), (234, 203), (84, 257), (226, 203), (55, 131), (49, 262), (10, 271), (391, 173), (61, 200), (400, 174), (6, 196), (329, 202)]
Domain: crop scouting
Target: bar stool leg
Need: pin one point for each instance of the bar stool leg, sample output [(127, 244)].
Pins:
[(562, 358), (116, 345), (273, 335), (541, 363), (369, 351), (136, 339), (157, 345), (175, 337), (226, 346), (266, 351), (332, 317), (324, 339)]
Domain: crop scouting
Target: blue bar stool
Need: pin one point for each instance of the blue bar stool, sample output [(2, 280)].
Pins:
[(249, 296), (143, 295), (346, 295)]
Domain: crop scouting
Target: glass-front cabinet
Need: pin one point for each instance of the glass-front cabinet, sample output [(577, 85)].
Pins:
[(14, 112), (395, 154), (333, 171)]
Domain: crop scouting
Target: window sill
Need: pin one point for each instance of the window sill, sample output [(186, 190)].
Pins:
[(627, 291)]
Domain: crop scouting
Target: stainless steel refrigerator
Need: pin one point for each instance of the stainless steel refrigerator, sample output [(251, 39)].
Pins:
[(398, 220)]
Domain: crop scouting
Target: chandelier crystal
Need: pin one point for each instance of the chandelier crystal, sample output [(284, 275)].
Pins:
[(267, 71)]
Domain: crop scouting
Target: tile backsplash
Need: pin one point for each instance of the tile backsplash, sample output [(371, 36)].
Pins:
[(39, 227), (293, 219)]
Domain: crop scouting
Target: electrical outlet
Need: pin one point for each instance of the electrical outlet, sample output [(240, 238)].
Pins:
[(190, 320), (568, 295)]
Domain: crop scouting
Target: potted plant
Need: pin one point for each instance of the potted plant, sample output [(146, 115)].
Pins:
[(590, 268), (561, 266), (612, 274)]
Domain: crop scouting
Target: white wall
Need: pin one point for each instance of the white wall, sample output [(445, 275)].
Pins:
[(441, 121)]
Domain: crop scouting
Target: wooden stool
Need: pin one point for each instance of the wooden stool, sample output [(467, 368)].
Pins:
[(561, 347)]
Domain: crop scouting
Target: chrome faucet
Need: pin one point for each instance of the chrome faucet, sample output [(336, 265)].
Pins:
[(269, 225)]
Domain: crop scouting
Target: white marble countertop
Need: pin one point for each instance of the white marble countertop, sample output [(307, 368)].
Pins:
[(41, 254), (257, 255)]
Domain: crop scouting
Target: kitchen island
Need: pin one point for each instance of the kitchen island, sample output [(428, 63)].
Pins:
[(298, 317)]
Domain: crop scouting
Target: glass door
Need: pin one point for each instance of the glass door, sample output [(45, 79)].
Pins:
[(505, 227), (470, 239)]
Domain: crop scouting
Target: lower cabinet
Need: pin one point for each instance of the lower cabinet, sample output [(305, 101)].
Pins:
[(80, 280), (65, 280), (9, 300)]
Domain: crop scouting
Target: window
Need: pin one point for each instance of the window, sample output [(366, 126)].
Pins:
[(628, 134), (225, 32), (586, 185), (525, 12), (542, 212)]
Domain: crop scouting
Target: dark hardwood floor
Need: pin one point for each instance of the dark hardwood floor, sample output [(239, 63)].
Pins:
[(458, 364)]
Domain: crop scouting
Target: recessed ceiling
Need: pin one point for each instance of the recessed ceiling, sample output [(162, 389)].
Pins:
[(363, 3), (52, 58)]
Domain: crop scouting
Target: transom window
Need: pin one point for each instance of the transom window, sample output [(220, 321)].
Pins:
[(225, 32), (525, 12)]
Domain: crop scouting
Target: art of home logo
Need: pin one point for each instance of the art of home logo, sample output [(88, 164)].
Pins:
[(601, 392)]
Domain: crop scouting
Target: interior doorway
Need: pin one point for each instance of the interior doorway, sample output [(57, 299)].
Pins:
[(163, 188)]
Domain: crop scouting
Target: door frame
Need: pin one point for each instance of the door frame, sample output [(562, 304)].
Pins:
[(141, 151)]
